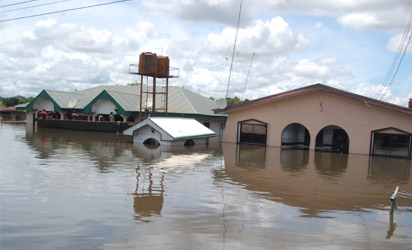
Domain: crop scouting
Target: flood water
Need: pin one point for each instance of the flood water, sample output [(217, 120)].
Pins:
[(79, 190)]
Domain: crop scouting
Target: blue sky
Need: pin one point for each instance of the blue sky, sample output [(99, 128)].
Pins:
[(349, 45)]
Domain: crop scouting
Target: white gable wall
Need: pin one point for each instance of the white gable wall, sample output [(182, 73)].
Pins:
[(103, 106), (144, 133), (43, 103)]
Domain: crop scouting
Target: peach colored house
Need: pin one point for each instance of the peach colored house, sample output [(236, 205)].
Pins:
[(322, 118)]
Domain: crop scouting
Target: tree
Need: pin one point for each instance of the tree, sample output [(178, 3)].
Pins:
[(234, 101), (15, 100)]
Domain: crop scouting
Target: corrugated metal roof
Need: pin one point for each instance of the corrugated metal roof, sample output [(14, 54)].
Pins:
[(175, 128), (180, 100), (129, 102), (64, 99)]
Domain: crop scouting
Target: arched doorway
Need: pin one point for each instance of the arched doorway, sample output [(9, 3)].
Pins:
[(189, 143), (295, 136), (151, 142), (332, 138)]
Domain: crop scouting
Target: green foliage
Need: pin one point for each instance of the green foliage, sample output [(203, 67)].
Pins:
[(234, 101), (15, 100), (134, 84)]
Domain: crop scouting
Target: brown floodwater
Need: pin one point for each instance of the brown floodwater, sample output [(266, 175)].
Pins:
[(63, 189)]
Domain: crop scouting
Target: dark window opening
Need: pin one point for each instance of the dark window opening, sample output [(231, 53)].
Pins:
[(393, 145), (332, 139), (251, 133), (295, 136), (131, 118), (151, 142), (189, 143)]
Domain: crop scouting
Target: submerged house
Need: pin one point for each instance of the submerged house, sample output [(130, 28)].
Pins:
[(170, 131), (322, 118), (96, 108)]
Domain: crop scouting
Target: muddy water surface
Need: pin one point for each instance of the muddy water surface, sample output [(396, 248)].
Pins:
[(75, 190)]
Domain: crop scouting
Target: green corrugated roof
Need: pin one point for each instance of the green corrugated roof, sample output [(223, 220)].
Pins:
[(180, 100), (64, 99)]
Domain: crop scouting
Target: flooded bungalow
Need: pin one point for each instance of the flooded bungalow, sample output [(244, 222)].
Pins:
[(322, 118), (116, 108)]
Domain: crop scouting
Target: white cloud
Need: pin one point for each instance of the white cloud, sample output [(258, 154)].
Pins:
[(381, 14), (75, 50), (398, 42), (214, 11), (321, 70), (360, 21), (384, 93), (265, 38)]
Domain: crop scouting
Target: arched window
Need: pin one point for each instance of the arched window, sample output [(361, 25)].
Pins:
[(332, 138), (295, 136)]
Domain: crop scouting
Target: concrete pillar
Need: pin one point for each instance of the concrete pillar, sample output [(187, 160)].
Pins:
[(124, 117)]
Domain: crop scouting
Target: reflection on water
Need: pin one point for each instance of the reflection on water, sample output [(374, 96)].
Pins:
[(76, 190), (148, 196), (331, 164), (294, 161), (383, 168), (321, 181), (250, 155)]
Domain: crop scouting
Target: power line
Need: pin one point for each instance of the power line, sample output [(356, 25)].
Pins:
[(12, 4), (397, 61), (35, 6), (61, 11), (248, 72), (234, 48)]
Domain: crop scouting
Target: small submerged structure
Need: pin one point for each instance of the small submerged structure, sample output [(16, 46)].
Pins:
[(170, 131)]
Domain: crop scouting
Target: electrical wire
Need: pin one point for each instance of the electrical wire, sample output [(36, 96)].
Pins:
[(61, 11), (34, 6), (247, 77), (397, 61), (234, 48), (12, 4)]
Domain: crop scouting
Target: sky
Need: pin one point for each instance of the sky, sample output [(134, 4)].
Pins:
[(281, 45)]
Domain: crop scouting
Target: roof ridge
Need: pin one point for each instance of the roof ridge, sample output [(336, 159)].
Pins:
[(180, 89), (315, 87), (65, 92)]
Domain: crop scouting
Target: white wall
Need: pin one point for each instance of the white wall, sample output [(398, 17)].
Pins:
[(144, 133), (29, 117), (43, 103), (103, 106), (215, 126)]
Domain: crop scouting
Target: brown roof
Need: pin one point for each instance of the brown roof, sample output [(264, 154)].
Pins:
[(7, 109), (316, 87)]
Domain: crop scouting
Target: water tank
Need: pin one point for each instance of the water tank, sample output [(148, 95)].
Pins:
[(163, 66), (147, 64)]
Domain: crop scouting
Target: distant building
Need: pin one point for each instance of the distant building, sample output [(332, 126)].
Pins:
[(98, 103), (11, 114), (322, 118)]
